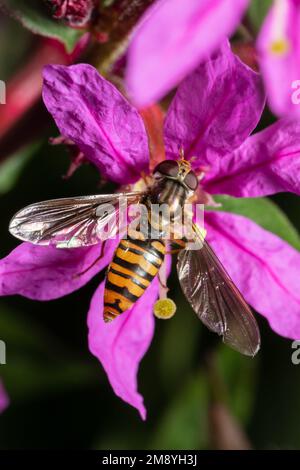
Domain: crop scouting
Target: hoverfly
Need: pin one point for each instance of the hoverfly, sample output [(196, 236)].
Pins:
[(72, 222)]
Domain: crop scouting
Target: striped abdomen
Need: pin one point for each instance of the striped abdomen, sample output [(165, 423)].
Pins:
[(134, 265)]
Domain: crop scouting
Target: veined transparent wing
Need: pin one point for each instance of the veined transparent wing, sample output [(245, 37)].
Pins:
[(71, 222), (216, 299)]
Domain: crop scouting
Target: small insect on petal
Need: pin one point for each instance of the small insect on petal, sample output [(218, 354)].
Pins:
[(164, 309)]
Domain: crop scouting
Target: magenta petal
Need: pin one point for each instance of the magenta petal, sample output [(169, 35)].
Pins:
[(215, 109), (120, 345), (4, 400), (45, 273), (265, 268), (279, 52), (267, 163), (92, 113), (172, 38)]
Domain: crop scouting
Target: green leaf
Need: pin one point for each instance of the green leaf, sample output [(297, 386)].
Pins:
[(185, 423), (257, 12), (11, 169), (34, 15), (265, 213)]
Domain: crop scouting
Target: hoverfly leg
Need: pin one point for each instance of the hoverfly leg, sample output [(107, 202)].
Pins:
[(93, 263), (177, 246), (174, 252)]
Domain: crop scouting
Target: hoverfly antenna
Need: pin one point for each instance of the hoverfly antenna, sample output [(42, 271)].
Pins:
[(181, 153), (188, 160), (183, 160)]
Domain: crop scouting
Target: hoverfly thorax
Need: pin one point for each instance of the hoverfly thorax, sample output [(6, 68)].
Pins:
[(174, 183)]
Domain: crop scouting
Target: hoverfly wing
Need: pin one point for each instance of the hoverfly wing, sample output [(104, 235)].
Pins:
[(216, 300), (71, 222)]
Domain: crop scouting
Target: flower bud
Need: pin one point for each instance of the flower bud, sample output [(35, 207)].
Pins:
[(76, 13)]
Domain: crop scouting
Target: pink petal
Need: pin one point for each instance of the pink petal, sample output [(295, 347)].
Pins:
[(92, 113), (267, 163), (265, 268), (282, 68), (45, 273), (121, 344), (215, 109), (4, 400), (172, 38)]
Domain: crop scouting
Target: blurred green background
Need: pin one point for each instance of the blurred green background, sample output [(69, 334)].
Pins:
[(197, 391)]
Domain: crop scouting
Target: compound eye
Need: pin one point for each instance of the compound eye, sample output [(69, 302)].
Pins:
[(167, 168), (191, 181)]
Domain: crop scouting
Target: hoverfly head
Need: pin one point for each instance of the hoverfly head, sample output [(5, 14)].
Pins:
[(179, 171)]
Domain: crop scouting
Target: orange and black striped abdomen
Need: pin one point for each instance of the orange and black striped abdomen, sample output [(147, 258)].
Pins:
[(134, 265)]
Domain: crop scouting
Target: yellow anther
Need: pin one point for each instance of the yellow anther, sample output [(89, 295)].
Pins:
[(280, 47), (164, 309)]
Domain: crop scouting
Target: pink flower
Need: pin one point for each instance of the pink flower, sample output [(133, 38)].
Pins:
[(279, 54), (172, 38), (4, 400), (212, 115)]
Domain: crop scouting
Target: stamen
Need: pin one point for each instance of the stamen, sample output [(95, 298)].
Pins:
[(279, 44), (162, 279), (280, 47), (164, 309)]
